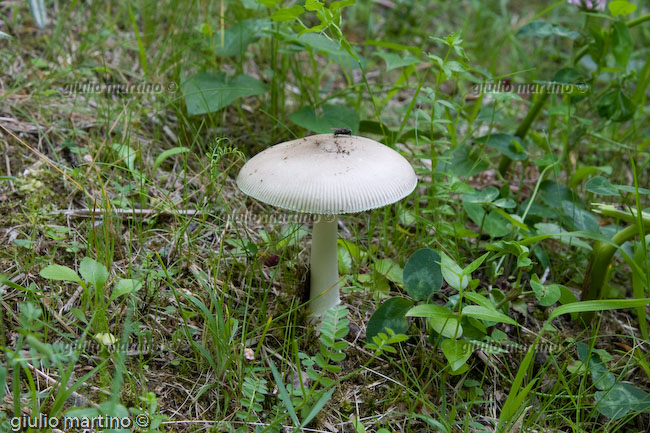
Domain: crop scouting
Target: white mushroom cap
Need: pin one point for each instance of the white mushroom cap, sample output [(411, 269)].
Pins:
[(328, 174)]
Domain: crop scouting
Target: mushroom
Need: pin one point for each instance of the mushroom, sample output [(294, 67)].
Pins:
[(327, 175)]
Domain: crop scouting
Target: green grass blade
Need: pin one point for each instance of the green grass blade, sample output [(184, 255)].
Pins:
[(284, 395), (602, 305)]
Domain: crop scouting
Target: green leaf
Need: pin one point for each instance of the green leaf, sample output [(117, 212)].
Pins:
[(622, 399), (615, 105), (622, 44), (546, 295), (452, 273), (313, 5), (479, 299), (389, 269), (39, 12), (238, 37), (467, 270), (602, 305), (422, 275), (457, 352), (440, 319), (93, 272), (390, 314), (330, 117), (542, 29), (166, 154), (394, 61), (124, 287), (283, 394), (318, 406), (340, 4), (206, 93), (581, 219), (126, 154), (481, 312), (509, 145), (59, 273), (600, 185), (621, 7), (288, 14), (484, 196)]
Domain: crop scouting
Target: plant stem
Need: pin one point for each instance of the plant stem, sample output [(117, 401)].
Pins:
[(324, 289), (521, 132), (599, 264)]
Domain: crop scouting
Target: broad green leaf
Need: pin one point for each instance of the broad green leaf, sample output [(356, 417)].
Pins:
[(440, 319), (394, 61), (93, 272), (567, 238), (237, 38), (166, 154), (126, 154), (457, 352), (452, 273), (509, 145), (542, 29), (422, 275), (546, 295), (622, 399), (288, 14), (621, 7), (206, 92), (586, 171), (391, 314), (581, 219), (389, 269), (600, 185), (492, 315), (328, 117), (622, 44), (484, 196), (124, 287), (615, 105), (59, 273)]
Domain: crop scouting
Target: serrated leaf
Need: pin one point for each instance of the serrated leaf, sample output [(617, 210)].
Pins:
[(59, 273)]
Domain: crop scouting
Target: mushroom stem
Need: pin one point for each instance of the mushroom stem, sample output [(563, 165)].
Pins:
[(324, 288)]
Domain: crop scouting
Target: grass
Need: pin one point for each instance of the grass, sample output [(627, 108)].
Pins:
[(215, 336)]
